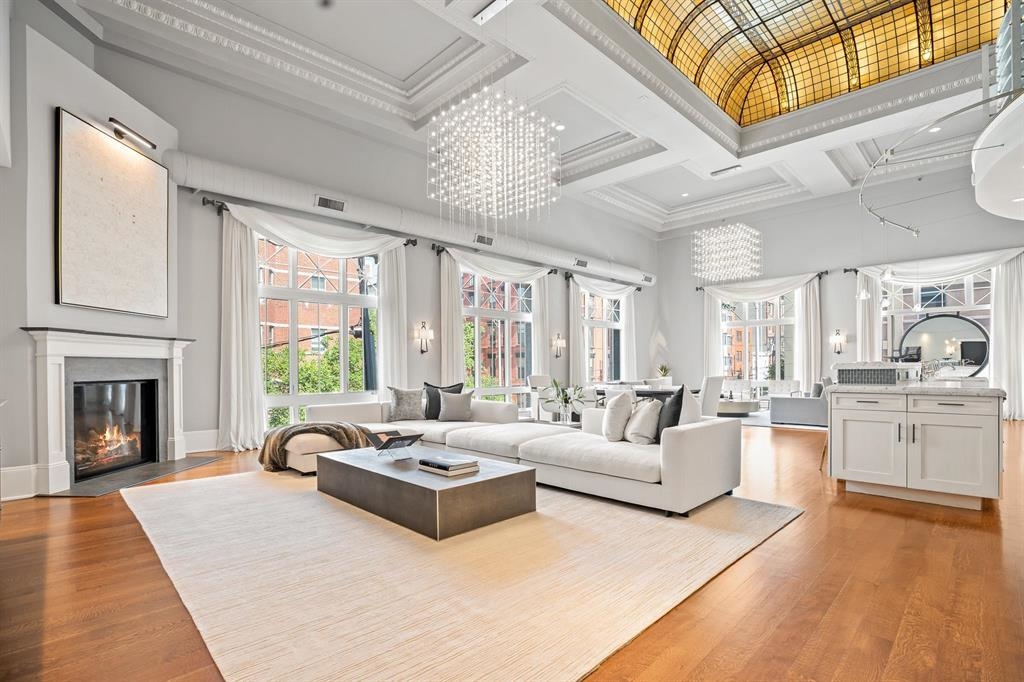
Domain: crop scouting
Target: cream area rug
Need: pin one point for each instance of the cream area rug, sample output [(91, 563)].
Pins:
[(285, 582)]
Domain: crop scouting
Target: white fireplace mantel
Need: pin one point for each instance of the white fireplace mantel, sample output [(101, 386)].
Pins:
[(53, 347)]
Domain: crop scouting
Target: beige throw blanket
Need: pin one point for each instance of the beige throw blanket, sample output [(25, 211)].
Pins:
[(273, 456)]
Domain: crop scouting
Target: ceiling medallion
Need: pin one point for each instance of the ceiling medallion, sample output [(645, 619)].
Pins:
[(493, 162), (726, 253)]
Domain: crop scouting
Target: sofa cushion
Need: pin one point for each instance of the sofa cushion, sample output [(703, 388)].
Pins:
[(670, 412), (455, 407), (691, 410), (616, 415), (308, 443), (502, 440), (406, 404), (433, 408), (589, 452), (643, 423), (436, 432)]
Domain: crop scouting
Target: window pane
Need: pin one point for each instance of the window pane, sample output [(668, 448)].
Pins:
[(522, 400), (493, 293), (274, 345), (361, 275), (613, 308), (468, 290), (319, 348), (469, 348), (273, 263), (603, 353), (318, 273), (730, 312), (983, 288), (278, 416), (362, 349), (522, 352), (492, 352), (521, 297)]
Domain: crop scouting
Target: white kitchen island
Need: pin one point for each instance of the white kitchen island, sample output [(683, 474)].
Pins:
[(927, 441)]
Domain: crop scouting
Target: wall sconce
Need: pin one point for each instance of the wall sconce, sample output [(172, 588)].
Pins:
[(121, 132), (424, 335), (837, 340), (558, 343)]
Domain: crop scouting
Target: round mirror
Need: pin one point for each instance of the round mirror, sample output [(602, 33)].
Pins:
[(958, 344)]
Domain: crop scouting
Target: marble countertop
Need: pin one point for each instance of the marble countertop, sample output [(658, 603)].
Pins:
[(977, 388)]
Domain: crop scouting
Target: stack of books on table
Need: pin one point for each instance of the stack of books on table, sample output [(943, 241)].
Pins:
[(449, 465)]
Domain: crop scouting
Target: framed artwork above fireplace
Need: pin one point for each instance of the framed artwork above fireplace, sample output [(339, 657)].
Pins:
[(111, 222)]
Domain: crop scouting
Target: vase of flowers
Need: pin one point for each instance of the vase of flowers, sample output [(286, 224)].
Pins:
[(564, 400)]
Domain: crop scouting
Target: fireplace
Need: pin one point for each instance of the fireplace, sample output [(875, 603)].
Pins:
[(114, 425)]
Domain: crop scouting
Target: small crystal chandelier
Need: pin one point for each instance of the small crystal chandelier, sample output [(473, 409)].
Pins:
[(493, 162), (726, 253)]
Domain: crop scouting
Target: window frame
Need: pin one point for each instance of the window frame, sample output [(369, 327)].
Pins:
[(293, 400), (594, 323), (477, 312), (752, 327)]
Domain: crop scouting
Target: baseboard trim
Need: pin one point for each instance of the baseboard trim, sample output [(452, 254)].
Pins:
[(201, 441), (17, 483)]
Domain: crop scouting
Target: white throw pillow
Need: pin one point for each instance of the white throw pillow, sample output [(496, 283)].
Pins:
[(643, 424), (691, 409), (617, 412)]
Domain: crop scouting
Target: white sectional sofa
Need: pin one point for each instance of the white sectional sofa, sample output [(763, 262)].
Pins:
[(693, 464), (302, 450)]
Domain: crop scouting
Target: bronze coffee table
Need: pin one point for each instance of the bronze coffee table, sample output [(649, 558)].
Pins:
[(433, 505)]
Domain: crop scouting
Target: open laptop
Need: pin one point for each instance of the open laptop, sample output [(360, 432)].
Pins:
[(393, 443)]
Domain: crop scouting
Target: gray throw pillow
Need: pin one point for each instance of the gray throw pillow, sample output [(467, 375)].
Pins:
[(406, 404), (456, 407)]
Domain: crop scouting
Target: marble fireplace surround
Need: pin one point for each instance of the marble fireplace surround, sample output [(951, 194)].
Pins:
[(53, 348)]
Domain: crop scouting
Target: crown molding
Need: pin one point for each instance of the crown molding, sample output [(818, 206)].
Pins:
[(606, 157)]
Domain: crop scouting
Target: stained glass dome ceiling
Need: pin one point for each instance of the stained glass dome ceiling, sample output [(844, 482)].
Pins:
[(758, 59)]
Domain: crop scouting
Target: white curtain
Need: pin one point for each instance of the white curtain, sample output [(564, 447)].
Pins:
[(712, 335), (393, 329), (500, 268), (453, 352), (758, 290), (869, 318), (577, 337), (941, 270), (626, 293), (1007, 351), (325, 239), (807, 353), (541, 331), (241, 418)]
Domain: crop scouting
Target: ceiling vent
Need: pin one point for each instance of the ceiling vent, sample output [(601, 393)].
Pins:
[(483, 240), (648, 279), (329, 203), (580, 263), (723, 171)]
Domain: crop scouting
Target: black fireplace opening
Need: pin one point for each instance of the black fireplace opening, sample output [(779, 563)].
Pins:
[(115, 425)]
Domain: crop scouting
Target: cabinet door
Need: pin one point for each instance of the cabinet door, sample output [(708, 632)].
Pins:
[(869, 446), (951, 453)]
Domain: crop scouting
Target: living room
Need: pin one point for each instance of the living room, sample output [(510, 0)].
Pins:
[(658, 340)]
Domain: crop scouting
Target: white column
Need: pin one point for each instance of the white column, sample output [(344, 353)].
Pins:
[(53, 473), (175, 403)]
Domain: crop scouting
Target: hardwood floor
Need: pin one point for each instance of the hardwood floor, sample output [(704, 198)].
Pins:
[(857, 588)]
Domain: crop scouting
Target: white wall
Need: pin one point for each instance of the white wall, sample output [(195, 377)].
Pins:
[(829, 234), (45, 77), (223, 125), (5, 83)]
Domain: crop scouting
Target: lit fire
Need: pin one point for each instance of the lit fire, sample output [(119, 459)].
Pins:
[(106, 447)]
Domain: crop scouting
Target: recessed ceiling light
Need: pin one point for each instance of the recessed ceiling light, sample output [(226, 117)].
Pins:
[(1018, 200), (934, 129), (560, 127), (686, 194)]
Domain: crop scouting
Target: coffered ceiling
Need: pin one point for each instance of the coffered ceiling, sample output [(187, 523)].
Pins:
[(639, 133)]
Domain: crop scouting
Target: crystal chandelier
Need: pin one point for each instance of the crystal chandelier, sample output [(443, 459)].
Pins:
[(493, 162), (726, 253)]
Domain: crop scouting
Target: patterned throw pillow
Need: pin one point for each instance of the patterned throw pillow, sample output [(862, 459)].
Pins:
[(456, 407), (434, 400), (406, 404)]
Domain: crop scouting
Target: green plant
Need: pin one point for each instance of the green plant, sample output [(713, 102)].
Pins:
[(664, 370), (564, 398)]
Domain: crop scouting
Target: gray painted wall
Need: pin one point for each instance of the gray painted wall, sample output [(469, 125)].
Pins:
[(829, 234)]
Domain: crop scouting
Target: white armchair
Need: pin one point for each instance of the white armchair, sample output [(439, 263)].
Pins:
[(540, 387), (710, 394)]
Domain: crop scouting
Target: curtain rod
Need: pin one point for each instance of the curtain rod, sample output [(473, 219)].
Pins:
[(818, 274)]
